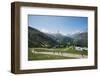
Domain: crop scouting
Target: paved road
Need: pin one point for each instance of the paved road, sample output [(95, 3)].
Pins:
[(62, 54)]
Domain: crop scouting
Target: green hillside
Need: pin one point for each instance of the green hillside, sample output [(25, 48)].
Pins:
[(39, 39), (81, 39)]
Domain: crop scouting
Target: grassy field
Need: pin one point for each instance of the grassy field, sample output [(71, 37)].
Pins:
[(35, 56), (62, 50), (38, 56)]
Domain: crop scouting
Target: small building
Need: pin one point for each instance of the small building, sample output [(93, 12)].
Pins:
[(81, 48)]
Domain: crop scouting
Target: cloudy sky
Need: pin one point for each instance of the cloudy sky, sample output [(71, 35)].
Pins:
[(64, 24)]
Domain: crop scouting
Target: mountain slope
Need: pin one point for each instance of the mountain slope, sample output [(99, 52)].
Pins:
[(39, 39), (81, 39), (61, 39)]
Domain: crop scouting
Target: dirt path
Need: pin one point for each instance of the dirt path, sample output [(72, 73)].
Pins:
[(62, 54)]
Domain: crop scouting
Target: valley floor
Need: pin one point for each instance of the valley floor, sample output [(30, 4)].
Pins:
[(63, 54), (49, 54)]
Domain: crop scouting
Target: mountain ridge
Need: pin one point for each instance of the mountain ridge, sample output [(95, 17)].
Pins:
[(37, 38)]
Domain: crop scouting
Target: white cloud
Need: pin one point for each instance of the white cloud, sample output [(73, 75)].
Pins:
[(44, 30), (63, 33)]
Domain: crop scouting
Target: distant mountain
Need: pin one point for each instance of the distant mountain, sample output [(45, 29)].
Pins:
[(81, 39), (78, 39), (39, 39), (61, 39)]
